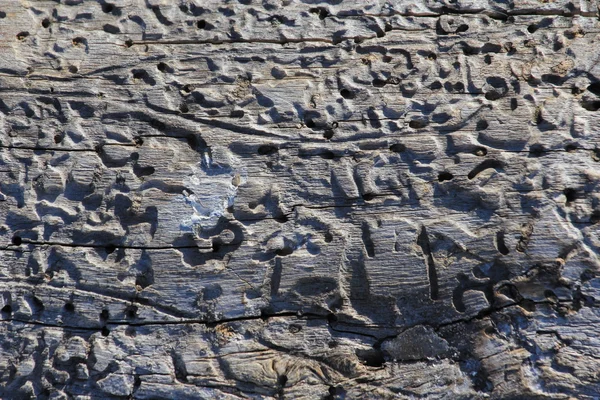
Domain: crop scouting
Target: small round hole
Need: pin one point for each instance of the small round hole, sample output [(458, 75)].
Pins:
[(201, 24), (570, 194), (482, 125), (129, 43), (282, 380), (162, 67), (73, 69), (347, 94), (16, 240), (104, 315), (532, 28), (45, 22), (184, 108), (110, 248), (398, 148), (480, 151), (105, 331), (445, 176), (216, 247), (70, 307), (108, 8)]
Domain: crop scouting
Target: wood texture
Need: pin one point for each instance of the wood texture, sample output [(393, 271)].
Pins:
[(299, 199)]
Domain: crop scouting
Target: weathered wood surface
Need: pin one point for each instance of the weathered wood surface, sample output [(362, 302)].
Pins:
[(299, 199)]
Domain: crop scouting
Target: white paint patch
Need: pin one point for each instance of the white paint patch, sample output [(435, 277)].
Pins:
[(212, 185)]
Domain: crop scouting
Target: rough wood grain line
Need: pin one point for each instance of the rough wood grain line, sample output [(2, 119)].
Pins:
[(299, 199)]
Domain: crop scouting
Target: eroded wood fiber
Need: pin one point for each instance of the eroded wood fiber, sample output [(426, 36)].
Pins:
[(299, 199)]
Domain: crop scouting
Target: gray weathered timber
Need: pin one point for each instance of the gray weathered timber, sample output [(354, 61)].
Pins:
[(299, 199)]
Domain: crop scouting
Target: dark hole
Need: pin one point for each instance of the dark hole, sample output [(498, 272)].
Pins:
[(16, 240), (493, 95), (416, 124), (322, 12), (184, 108), (45, 22), (328, 155), (108, 8), (347, 94), (331, 318), (108, 28), (78, 40), (57, 138), (70, 307), (281, 218), (432, 56), (131, 311), (513, 104), (380, 34), (379, 82), (595, 217), (436, 85), (129, 43), (104, 315), (328, 237), (328, 134), (282, 380), (332, 390), (138, 141), (528, 305), (2, 14), (532, 28), (594, 88), (332, 344), (309, 123), (445, 176), (201, 24), (482, 125), (73, 69), (398, 147), (216, 247), (571, 147), (105, 331), (187, 89), (368, 196), (7, 309), (183, 8), (462, 28), (139, 74), (286, 251), (162, 67), (371, 358), (480, 151), (536, 150), (570, 194), (110, 248), (22, 35), (267, 150)]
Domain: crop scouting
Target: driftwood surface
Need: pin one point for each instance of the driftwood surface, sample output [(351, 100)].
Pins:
[(358, 199)]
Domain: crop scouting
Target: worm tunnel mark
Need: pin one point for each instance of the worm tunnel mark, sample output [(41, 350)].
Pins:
[(368, 242), (500, 244), (276, 277), (423, 242), (487, 164)]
